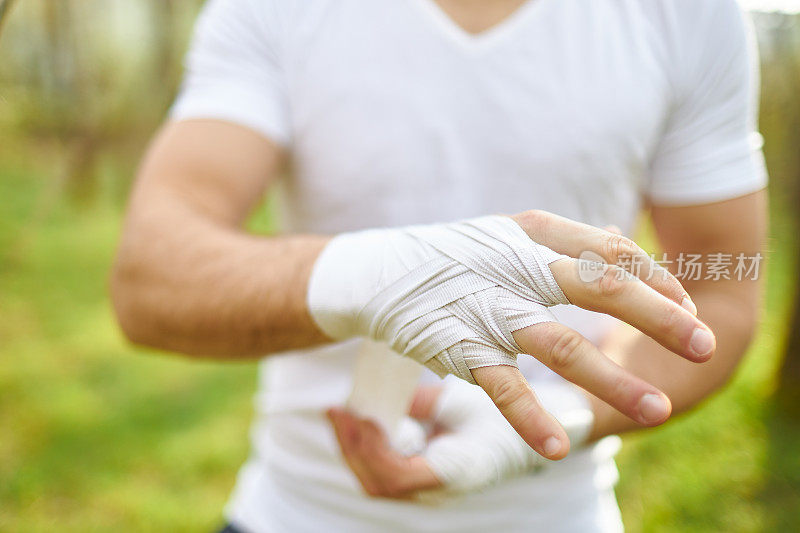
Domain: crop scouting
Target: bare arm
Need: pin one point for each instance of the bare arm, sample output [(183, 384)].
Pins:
[(187, 277), (729, 307)]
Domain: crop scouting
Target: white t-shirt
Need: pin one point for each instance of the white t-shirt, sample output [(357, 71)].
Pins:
[(394, 115)]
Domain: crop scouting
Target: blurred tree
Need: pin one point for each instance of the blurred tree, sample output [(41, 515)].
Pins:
[(789, 381), (59, 74), (66, 87), (5, 6), (787, 45), (79, 82), (166, 57)]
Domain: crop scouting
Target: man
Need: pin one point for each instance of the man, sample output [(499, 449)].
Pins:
[(431, 111)]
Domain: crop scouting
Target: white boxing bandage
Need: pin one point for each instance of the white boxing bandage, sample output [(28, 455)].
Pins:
[(448, 296), (480, 448)]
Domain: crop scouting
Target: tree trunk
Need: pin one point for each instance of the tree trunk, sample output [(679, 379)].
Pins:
[(788, 393), (5, 8)]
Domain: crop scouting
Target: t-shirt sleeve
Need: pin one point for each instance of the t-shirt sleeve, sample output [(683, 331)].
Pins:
[(233, 69), (710, 149)]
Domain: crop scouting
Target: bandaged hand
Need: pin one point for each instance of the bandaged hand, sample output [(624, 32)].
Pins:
[(448, 296), (466, 298), (477, 448), (471, 446)]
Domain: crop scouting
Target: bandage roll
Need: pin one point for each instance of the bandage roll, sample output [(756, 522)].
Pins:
[(383, 389)]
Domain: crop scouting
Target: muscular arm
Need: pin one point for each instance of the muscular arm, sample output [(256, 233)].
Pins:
[(729, 307), (187, 277)]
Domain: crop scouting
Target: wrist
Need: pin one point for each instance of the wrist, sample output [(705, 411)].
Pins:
[(344, 277)]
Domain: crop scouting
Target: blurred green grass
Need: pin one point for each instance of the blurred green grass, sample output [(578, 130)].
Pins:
[(99, 436), (96, 435)]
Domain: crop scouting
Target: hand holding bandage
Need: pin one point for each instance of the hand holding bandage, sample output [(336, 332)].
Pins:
[(465, 298), (471, 446), (478, 448)]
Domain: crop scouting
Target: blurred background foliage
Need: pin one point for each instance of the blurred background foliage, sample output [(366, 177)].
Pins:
[(95, 435)]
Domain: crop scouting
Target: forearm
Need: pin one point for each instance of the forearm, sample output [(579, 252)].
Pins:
[(733, 320), (184, 282)]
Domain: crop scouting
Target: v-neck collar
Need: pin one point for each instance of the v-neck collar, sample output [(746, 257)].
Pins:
[(484, 39)]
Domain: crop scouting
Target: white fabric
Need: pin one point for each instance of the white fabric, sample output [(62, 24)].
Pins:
[(395, 117), (482, 449), (448, 296), (383, 389)]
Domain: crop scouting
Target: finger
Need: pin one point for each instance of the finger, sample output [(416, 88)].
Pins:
[(348, 435), (573, 357), (613, 291), (512, 395), (613, 228), (345, 431), (579, 240), (372, 440), (391, 474), (424, 401)]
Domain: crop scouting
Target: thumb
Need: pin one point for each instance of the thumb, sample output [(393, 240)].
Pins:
[(424, 402)]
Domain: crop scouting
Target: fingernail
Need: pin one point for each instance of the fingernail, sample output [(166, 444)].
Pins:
[(653, 408), (688, 304), (552, 446), (702, 341)]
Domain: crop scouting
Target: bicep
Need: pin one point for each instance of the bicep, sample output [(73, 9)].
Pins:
[(738, 224), (216, 169), (734, 228)]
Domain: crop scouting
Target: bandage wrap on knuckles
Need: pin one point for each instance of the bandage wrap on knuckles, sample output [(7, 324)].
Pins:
[(449, 296)]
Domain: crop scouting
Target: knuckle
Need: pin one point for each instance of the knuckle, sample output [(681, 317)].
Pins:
[(565, 351), (611, 283), (509, 394), (534, 215), (674, 288), (618, 247), (671, 318), (534, 221), (621, 394)]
